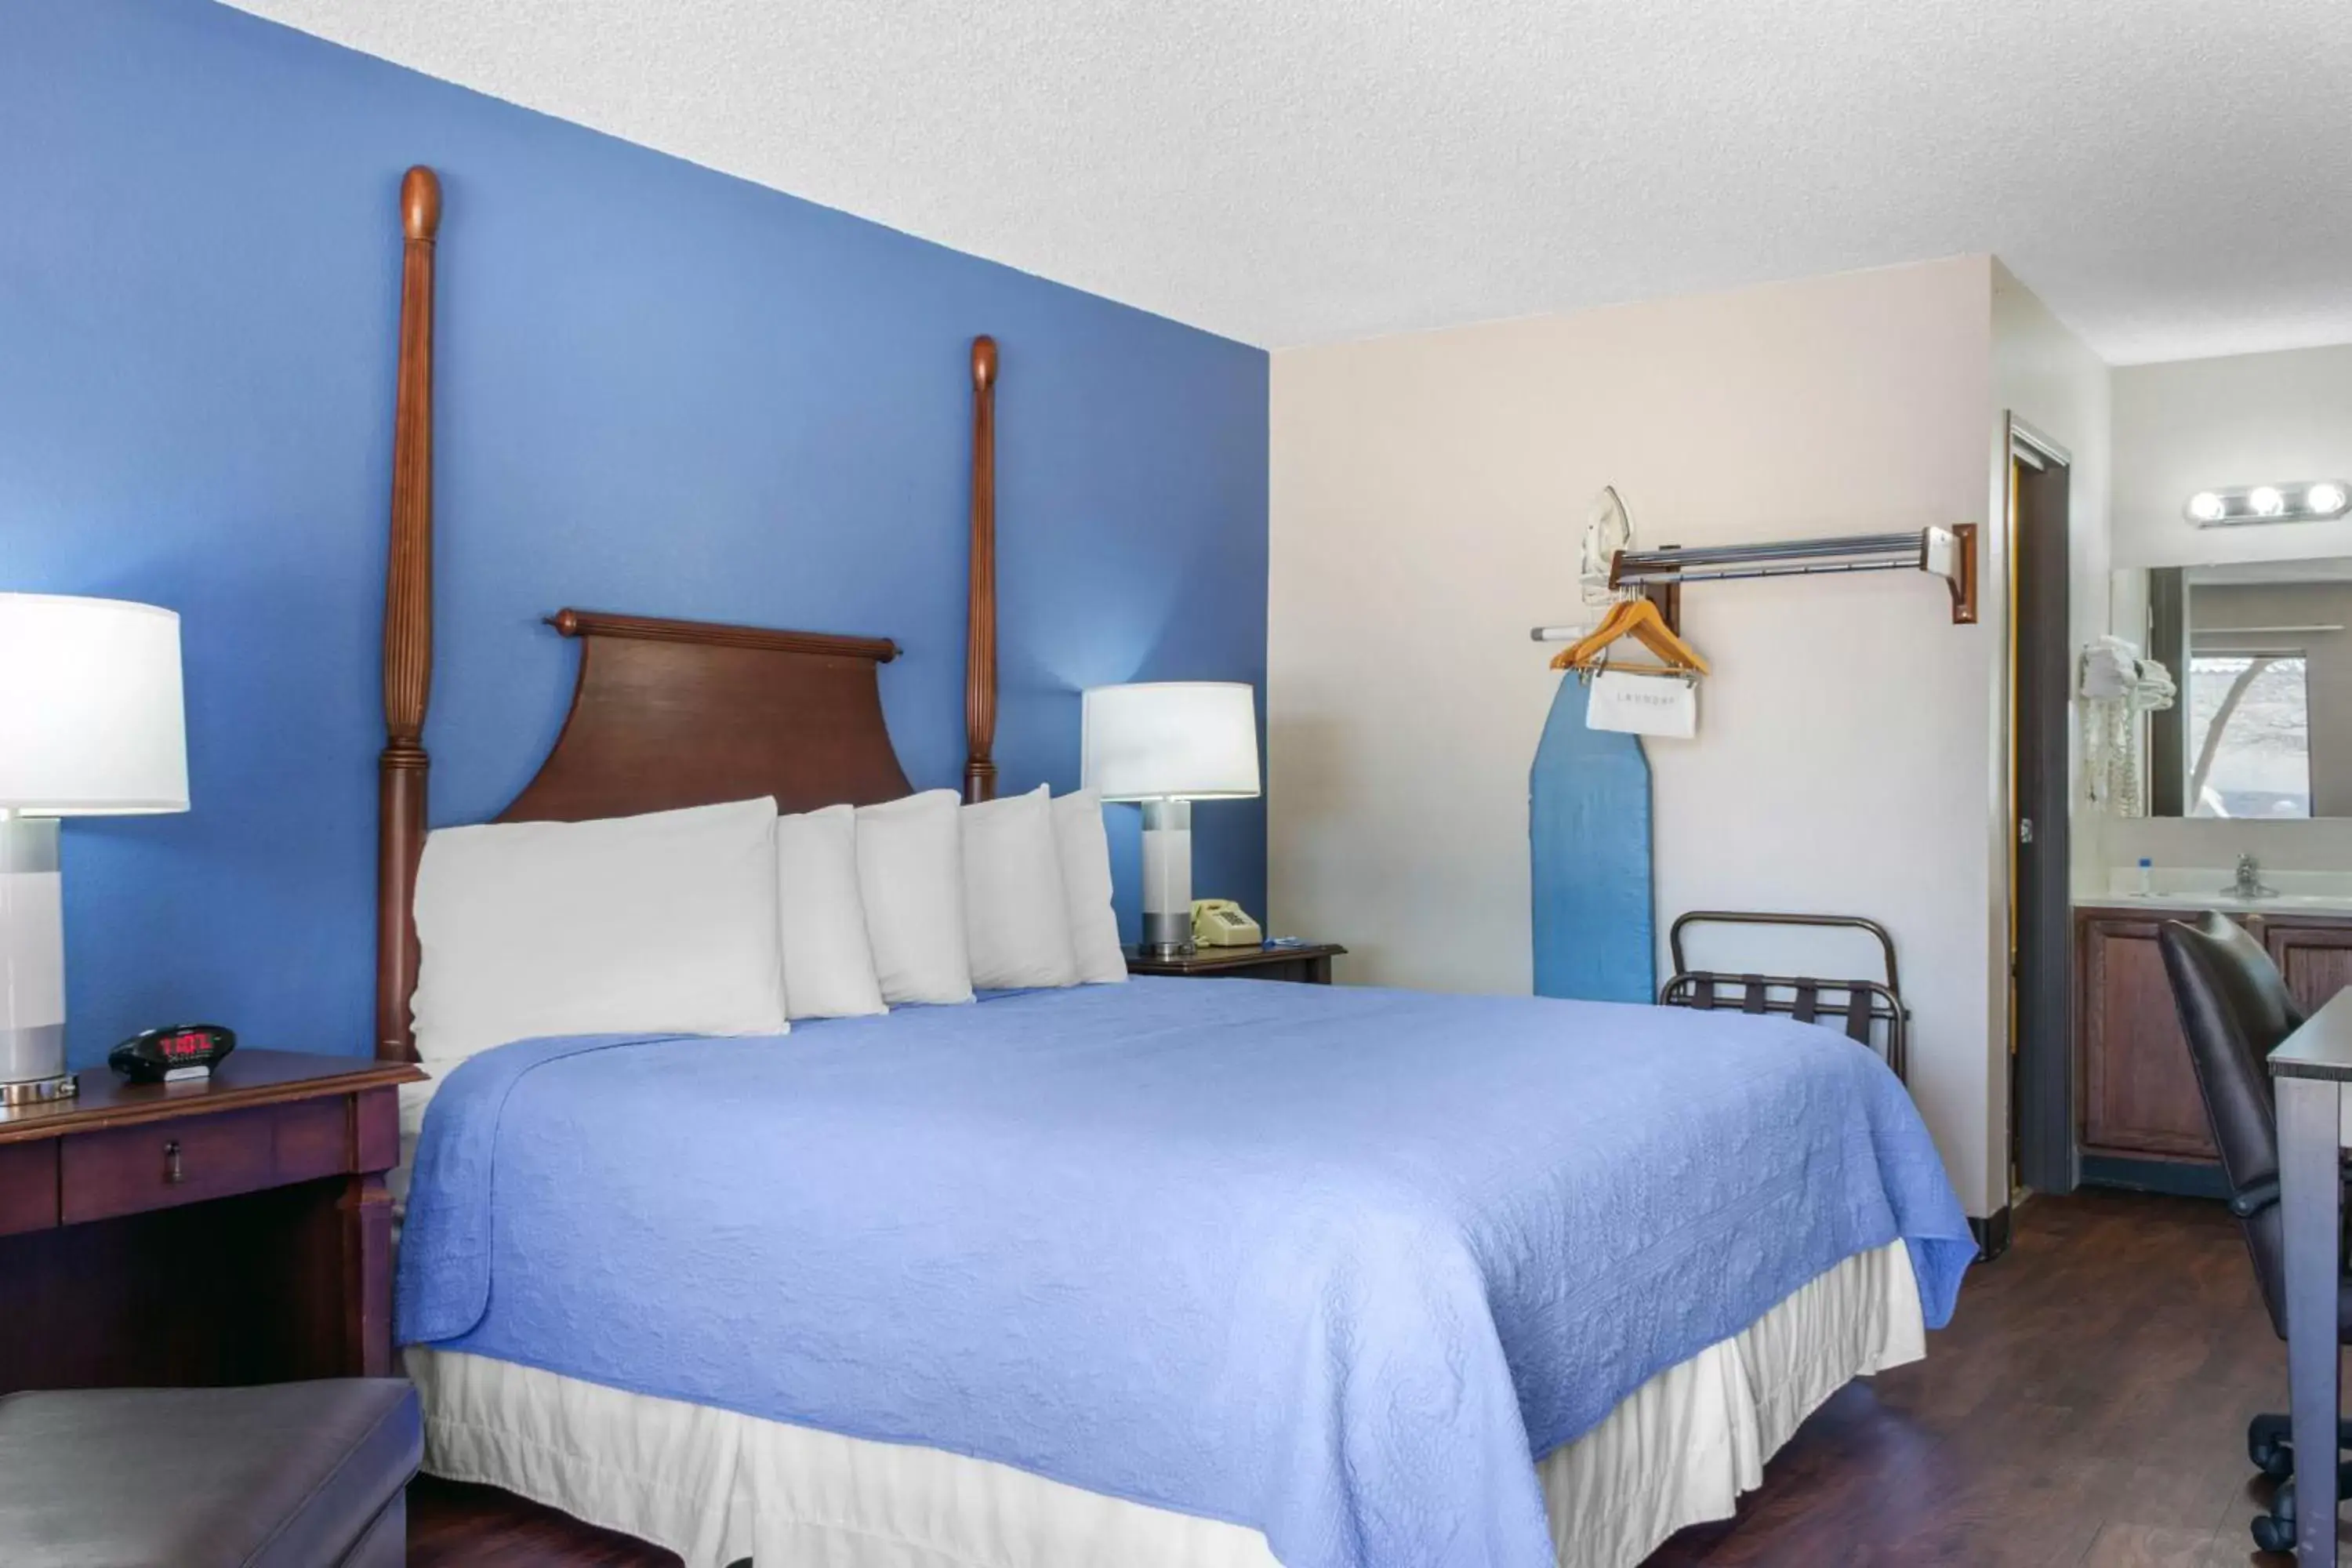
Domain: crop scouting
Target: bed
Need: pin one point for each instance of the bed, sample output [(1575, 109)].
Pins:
[(1167, 1273)]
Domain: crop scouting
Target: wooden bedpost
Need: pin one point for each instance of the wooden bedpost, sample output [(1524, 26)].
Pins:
[(407, 625), (980, 645)]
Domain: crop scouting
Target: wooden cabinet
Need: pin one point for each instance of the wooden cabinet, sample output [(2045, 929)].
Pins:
[(2313, 952), (1306, 963), (2136, 1090), (28, 1187), (236, 1230)]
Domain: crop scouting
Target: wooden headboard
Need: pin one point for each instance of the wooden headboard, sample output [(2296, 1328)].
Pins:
[(665, 713)]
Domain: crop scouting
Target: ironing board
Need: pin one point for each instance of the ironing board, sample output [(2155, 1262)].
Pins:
[(1589, 843)]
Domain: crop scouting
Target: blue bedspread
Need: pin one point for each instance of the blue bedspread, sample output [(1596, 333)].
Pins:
[(1332, 1263)]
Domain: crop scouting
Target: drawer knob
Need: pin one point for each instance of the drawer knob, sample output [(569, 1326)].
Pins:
[(172, 1174)]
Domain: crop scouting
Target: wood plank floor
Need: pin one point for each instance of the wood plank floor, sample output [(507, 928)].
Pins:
[(2086, 1409)]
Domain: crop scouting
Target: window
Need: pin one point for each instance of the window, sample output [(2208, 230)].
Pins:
[(2249, 735)]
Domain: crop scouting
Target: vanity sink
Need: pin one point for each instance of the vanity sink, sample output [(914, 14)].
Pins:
[(2218, 887), (2309, 903), (2202, 888)]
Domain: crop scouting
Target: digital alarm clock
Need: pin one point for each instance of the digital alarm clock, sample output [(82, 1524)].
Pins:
[(171, 1053)]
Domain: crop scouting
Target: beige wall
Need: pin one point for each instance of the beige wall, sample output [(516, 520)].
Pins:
[(2198, 423), (1428, 493), (2197, 841)]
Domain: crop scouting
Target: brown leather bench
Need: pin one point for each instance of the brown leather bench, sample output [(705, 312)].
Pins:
[(290, 1475)]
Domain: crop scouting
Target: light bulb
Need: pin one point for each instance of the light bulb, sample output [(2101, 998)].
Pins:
[(2266, 500), (2326, 499), (2206, 507)]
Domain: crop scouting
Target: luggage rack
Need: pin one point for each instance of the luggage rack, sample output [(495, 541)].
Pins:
[(1873, 1010)]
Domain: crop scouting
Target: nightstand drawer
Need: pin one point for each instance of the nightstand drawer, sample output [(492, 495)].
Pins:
[(162, 1165), (28, 1187)]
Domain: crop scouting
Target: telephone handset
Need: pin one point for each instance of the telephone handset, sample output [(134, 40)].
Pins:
[(1220, 923)]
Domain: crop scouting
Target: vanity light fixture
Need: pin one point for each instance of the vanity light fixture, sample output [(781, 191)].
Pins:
[(2306, 501)]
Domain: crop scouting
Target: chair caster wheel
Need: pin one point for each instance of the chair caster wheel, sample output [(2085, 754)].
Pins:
[(2269, 1446), (2273, 1534)]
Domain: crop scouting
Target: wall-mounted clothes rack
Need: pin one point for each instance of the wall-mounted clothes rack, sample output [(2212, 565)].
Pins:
[(1947, 552)]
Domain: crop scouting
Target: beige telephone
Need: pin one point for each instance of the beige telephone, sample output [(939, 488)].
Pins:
[(1219, 922)]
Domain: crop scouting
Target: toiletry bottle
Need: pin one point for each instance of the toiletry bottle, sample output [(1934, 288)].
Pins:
[(2147, 877)]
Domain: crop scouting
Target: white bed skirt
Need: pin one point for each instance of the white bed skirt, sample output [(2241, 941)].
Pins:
[(714, 1486)]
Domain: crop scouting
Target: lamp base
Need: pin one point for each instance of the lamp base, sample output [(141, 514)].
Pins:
[(38, 1091), (1166, 935), (1167, 877), (32, 964)]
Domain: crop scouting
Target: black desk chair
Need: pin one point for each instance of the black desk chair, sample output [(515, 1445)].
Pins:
[(2235, 1010)]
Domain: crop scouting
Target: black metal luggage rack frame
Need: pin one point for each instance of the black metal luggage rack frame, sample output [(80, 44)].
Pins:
[(1873, 1010)]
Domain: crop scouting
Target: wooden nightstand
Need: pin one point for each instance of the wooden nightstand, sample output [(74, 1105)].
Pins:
[(228, 1231), (1306, 962)]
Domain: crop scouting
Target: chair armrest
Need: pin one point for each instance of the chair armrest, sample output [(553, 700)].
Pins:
[(2254, 1199)]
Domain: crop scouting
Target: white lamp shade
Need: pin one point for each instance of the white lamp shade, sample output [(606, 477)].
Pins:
[(91, 720), (1173, 739)]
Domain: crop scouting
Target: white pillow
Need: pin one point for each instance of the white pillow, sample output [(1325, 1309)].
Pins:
[(659, 924), (1016, 918), (1084, 853), (910, 874), (821, 918)]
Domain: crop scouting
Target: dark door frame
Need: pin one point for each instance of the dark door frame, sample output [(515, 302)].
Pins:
[(2040, 682)]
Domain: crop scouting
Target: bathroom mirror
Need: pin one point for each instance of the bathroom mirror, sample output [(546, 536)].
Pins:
[(2262, 654)]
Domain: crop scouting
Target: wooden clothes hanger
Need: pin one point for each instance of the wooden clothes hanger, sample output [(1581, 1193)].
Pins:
[(1638, 619)]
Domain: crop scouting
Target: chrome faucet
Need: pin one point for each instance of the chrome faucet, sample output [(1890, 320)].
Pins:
[(2250, 885)]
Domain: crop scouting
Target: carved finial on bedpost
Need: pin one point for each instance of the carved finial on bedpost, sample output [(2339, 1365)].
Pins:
[(980, 646), (402, 769), (420, 204)]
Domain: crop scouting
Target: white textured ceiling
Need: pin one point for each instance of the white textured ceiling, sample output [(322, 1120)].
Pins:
[(2173, 177)]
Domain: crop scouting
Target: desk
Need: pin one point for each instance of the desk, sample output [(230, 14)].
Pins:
[(2309, 1072), (228, 1231)]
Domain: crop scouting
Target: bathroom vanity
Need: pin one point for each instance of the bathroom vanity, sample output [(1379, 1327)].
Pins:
[(2139, 1119), (2250, 755)]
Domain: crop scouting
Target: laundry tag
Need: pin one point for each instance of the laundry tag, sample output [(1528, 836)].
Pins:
[(1642, 705)]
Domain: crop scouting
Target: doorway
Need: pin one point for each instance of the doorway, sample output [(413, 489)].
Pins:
[(2041, 677)]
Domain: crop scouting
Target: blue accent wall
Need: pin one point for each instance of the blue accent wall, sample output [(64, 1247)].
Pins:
[(661, 391)]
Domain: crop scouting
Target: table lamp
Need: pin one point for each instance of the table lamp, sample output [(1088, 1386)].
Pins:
[(90, 725), (1166, 744)]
